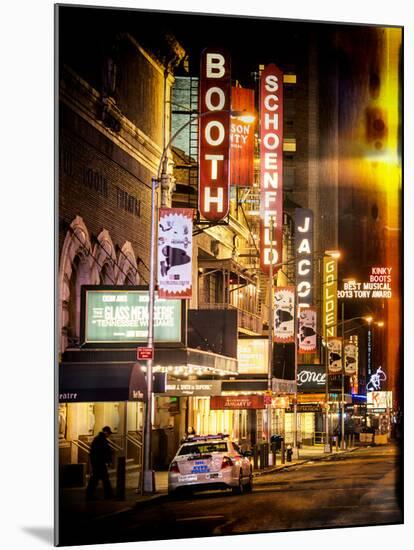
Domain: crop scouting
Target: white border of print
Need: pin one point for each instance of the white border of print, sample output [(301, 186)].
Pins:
[(27, 224)]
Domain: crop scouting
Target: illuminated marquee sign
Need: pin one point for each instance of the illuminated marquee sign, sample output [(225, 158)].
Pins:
[(252, 355), (304, 251), (330, 304), (215, 96), (119, 315), (271, 166), (238, 402), (311, 378), (379, 399), (378, 286)]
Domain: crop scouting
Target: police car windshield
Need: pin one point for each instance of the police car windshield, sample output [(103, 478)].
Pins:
[(201, 448)]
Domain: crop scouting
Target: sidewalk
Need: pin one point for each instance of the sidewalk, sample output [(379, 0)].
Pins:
[(306, 454), (74, 506)]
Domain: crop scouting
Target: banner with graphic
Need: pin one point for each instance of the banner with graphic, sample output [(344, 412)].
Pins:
[(307, 342), (242, 138), (284, 314), (175, 237), (334, 355), (350, 355)]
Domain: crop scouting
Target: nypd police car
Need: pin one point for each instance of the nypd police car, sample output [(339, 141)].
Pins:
[(210, 462)]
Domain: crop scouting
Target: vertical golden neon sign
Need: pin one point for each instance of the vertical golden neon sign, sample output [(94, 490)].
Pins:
[(330, 302)]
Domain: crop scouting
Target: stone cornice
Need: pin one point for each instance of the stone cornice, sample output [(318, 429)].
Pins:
[(86, 102)]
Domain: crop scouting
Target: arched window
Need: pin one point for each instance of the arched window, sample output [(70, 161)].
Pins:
[(104, 268), (106, 276), (74, 271), (80, 276), (127, 273)]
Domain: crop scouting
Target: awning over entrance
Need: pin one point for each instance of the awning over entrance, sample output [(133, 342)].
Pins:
[(83, 382), (166, 359)]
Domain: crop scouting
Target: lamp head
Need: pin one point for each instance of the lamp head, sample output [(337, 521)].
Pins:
[(244, 116), (333, 253)]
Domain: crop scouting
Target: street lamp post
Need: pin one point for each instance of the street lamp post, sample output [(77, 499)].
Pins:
[(369, 349), (148, 484), (343, 379), (315, 255), (270, 343), (327, 447)]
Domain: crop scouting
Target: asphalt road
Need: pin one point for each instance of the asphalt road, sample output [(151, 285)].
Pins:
[(358, 488)]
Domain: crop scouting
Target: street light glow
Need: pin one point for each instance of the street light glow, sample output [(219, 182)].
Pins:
[(333, 253), (368, 319)]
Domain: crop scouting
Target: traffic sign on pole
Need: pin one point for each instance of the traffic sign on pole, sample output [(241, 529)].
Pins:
[(145, 353)]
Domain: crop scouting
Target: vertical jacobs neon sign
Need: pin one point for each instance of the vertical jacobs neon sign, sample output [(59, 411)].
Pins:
[(271, 166), (214, 107)]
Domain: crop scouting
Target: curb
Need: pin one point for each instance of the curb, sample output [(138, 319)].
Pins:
[(300, 462), (132, 506)]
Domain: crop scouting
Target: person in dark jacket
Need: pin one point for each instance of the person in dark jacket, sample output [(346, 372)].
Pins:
[(100, 457)]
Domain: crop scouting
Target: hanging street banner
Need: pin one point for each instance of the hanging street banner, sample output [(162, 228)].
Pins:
[(175, 248), (307, 330), (242, 138), (119, 315), (334, 355), (353, 378), (351, 358), (304, 251), (214, 134), (330, 301), (271, 166), (284, 314)]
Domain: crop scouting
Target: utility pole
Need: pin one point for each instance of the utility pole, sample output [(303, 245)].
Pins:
[(295, 403), (327, 447), (148, 485), (270, 343), (343, 379)]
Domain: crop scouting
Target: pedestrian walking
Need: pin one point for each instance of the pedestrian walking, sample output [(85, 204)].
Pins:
[(100, 458)]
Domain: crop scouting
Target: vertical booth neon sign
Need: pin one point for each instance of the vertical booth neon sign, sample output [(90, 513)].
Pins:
[(214, 157), (271, 166)]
